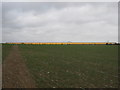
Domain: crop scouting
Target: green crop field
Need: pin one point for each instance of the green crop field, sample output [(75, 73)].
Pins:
[(5, 50), (72, 66)]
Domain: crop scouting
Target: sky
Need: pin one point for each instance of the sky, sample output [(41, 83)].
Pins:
[(59, 21), (0, 23), (60, 0)]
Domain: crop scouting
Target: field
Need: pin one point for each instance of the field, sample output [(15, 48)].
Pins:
[(71, 66), (5, 50)]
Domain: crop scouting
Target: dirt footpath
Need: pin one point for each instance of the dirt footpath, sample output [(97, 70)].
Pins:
[(15, 72)]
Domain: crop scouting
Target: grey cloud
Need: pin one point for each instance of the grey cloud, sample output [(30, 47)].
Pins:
[(60, 21)]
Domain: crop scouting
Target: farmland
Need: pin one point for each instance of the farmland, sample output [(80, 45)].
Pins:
[(5, 50), (71, 66)]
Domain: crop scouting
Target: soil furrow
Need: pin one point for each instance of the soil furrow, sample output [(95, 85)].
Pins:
[(15, 72)]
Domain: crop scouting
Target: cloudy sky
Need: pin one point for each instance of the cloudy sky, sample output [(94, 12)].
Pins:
[(60, 22)]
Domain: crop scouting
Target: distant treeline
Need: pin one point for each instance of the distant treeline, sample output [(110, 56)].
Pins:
[(65, 43)]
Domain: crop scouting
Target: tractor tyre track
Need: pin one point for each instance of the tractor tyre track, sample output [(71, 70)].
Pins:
[(15, 72)]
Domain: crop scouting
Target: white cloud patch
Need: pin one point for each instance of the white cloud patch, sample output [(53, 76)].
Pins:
[(60, 22)]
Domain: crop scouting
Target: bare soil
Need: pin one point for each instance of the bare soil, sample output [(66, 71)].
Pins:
[(15, 72)]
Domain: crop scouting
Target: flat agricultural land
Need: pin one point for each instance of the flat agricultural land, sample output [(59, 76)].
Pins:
[(5, 50), (69, 66)]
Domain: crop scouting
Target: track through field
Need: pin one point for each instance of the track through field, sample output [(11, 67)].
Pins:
[(15, 72)]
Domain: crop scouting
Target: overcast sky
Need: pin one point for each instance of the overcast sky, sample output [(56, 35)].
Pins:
[(60, 22)]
